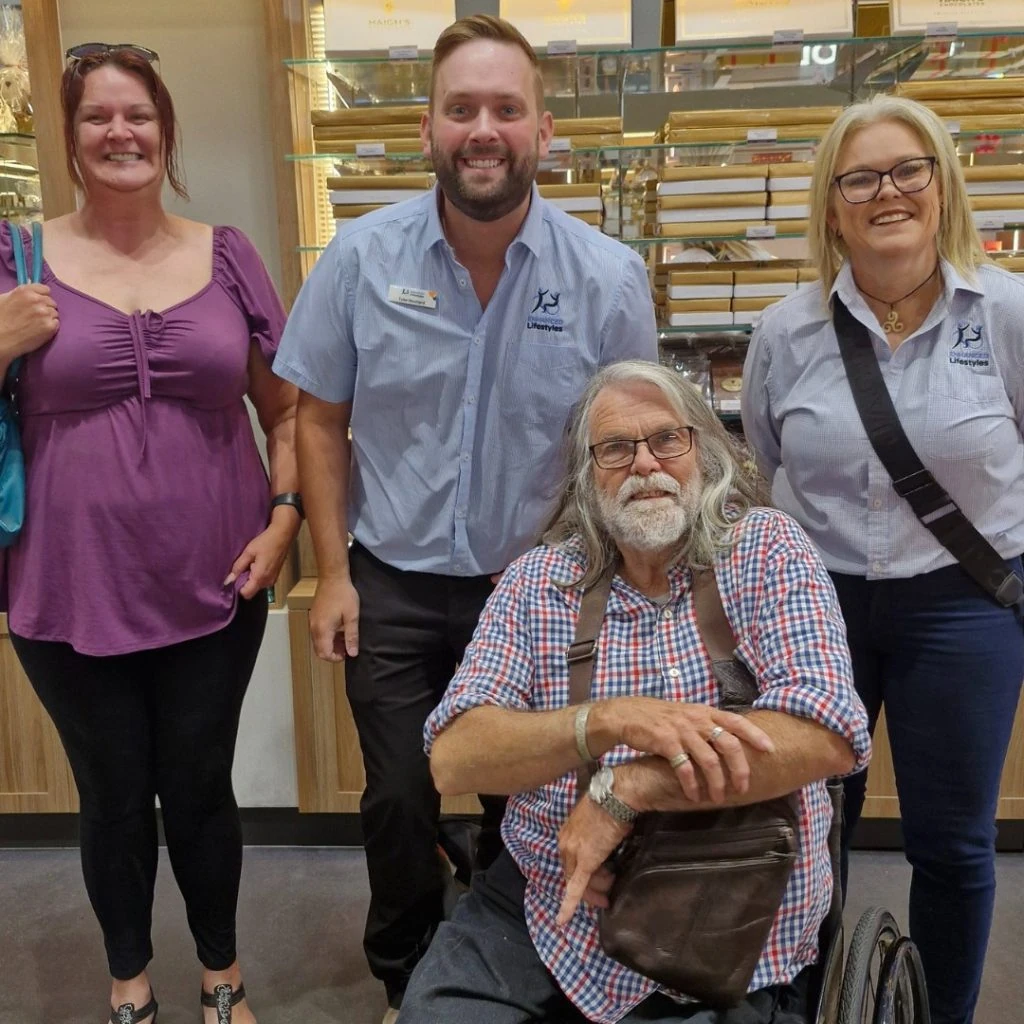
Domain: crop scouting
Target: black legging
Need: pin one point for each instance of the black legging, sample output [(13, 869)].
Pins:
[(155, 723)]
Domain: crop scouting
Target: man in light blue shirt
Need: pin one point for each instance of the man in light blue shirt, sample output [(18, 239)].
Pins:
[(453, 333)]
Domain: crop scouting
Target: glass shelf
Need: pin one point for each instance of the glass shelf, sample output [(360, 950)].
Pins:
[(907, 41), (643, 243), (667, 333), (351, 156)]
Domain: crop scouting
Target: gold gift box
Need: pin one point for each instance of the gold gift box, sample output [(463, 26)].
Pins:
[(692, 136), (368, 116), (707, 200), (961, 89), (754, 305), (413, 180), (588, 126), (767, 275), (767, 117), (995, 172), (707, 173), (356, 209), (701, 229), (695, 277), (956, 109), (806, 274), (698, 305), (997, 202), (379, 132), (349, 145)]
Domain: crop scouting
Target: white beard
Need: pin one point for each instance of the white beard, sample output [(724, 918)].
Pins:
[(651, 524)]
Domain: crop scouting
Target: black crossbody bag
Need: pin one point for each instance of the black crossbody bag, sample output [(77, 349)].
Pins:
[(938, 512)]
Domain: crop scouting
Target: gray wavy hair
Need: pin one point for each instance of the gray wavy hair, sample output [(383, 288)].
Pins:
[(728, 491)]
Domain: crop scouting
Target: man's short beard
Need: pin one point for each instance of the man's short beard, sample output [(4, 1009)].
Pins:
[(492, 205), (644, 525)]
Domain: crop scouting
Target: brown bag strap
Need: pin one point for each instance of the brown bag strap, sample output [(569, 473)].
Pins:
[(712, 624), (581, 654)]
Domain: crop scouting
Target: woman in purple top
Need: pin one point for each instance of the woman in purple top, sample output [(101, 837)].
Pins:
[(135, 590)]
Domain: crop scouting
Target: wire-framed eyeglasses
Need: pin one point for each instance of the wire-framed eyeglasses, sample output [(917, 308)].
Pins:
[(908, 176), (665, 444)]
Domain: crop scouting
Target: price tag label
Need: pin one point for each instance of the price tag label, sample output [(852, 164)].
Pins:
[(762, 135), (403, 53), (369, 149), (560, 144), (953, 127), (561, 48), (787, 37), (989, 222), (760, 231), (940, 30)]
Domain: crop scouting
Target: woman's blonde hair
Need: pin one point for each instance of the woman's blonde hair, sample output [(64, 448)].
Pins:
[(957, 239)]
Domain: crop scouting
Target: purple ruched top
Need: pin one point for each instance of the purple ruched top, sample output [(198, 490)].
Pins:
[(143, 479)]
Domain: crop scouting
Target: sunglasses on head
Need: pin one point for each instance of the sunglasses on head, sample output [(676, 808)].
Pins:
[(84, 50)]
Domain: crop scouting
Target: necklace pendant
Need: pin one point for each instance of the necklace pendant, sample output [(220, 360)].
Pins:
[(892, 323)]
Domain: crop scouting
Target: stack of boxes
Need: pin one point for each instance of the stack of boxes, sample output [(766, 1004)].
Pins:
[(704, 202), (729, 294), (396, 129), (690, 127), (789, 196), (355, 194), (582, 201), (993, 107)]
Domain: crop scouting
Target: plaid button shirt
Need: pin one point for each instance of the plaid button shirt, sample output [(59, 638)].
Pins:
[(790, 634)]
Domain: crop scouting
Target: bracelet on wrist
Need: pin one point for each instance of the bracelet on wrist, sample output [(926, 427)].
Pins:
[(292, 498)]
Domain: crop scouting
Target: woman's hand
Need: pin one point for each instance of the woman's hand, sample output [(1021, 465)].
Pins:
[(263, 557), (28, 319)]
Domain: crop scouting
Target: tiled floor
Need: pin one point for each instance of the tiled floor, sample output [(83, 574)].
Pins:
[(301, 919)]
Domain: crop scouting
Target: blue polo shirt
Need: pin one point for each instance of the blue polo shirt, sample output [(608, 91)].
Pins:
[(458, 413)]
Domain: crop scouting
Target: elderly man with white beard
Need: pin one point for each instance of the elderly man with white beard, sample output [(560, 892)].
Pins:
[(655, 494)]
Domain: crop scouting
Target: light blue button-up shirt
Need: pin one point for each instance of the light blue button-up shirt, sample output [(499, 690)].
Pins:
[(459, 413), (958, 386)]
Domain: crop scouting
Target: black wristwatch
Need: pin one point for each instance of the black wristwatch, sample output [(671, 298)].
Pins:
[(292, 498)]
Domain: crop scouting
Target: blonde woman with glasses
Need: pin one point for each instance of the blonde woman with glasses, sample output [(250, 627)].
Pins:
[(894, 241)]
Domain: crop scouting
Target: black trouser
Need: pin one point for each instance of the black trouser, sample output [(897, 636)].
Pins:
[(413, 629), (155, 723)]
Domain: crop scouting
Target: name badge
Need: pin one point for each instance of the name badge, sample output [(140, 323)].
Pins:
[(412, 296)]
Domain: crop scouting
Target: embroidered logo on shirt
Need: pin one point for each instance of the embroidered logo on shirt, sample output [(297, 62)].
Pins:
[(970, 347), (544, 315)]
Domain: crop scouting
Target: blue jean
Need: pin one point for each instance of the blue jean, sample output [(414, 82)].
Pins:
[(947, 662), (482, 967)]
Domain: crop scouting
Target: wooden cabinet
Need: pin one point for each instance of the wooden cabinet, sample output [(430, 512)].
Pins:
[(882, 801), (329, 761), (34, 774)]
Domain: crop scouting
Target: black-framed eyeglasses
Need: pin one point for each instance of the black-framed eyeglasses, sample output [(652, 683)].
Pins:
[(665, 444), (83, 50), (913, 175)]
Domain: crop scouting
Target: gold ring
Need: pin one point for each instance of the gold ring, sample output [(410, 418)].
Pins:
[(679, 760), (715, 733)]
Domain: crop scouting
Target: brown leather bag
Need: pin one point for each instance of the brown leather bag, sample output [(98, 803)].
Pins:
[(695, 894)]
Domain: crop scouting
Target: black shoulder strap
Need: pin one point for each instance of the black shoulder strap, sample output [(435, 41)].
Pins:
[(938, 512)]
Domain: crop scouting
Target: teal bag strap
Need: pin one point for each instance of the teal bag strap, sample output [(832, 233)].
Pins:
[(18, 244), (21, 268)]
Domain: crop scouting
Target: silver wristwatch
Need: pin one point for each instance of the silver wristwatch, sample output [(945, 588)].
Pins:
[(602, 795)]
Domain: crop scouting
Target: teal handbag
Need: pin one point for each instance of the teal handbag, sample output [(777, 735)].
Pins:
[(12, 462)]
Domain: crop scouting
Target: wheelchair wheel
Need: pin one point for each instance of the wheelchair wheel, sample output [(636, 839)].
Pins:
[(873, 938), (902, 996), (831, 982)]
